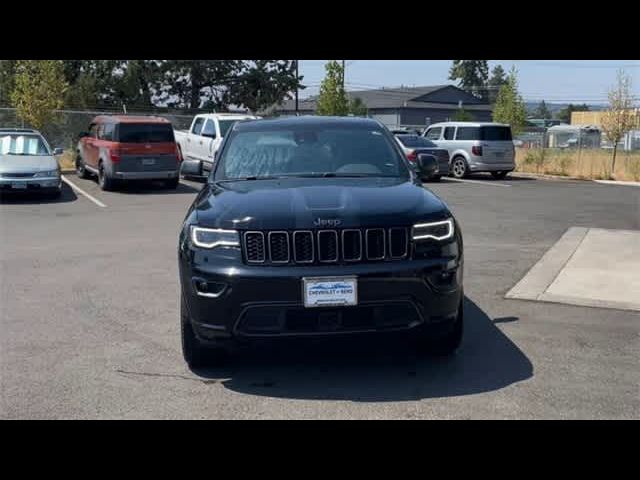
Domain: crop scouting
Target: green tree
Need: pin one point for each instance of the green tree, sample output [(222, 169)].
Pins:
[(191, 83), (263, 83), (619, 118), (357, 107), (542, 111), (498, 79), (7, 80), (462, 115), (564, 115), (332, 99), (39, 90), (472, 76), (510, 107)]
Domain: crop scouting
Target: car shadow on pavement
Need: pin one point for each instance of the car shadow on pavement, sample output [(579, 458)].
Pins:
[(153, 188), (34, 198), (379, 371), (512, 177)]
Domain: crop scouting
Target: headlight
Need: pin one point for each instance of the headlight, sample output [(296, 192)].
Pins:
[(442, 230), (212, 238), (49, 173)]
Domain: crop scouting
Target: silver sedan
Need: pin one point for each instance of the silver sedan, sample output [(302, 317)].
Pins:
[(27, 163)]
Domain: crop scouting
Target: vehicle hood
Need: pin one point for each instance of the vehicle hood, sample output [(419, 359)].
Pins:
[(27, 163), (299, 203)]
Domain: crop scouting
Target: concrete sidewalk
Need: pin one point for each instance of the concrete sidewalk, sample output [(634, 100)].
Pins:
[(589, 267)]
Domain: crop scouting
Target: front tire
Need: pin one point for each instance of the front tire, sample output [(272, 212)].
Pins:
[(193, 351), (499, 175), (459, 168), (446, 345)]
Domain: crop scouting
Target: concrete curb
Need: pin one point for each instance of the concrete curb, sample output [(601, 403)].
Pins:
[(547, 176)]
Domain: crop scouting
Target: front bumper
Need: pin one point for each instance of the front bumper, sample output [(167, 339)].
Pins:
[(267, 301), (152, 175), (30, 184)]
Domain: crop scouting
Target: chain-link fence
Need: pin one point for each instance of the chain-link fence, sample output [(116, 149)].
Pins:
[(65, 130)]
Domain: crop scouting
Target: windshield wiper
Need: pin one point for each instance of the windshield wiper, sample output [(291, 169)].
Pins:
[(339, 175), (251, 177)]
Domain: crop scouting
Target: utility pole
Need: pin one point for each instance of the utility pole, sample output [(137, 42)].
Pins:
[(343, 73), (297, 86)]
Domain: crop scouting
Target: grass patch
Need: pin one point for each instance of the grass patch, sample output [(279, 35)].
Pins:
[(588, 164), (67, 161)]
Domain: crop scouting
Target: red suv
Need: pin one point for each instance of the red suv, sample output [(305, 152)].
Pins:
[(126, 147)]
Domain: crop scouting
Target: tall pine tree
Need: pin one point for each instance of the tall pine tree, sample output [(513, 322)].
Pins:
[(472, 76)]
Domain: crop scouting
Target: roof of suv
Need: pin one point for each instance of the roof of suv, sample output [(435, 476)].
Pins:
[(469, 124), (130, 119)]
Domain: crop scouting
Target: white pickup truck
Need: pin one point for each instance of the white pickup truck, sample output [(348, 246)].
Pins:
[(198, 145)]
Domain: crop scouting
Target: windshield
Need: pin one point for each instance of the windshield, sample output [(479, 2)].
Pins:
[(310, 151), (414, 141), (145, 133), (225, 125), (20, 144)]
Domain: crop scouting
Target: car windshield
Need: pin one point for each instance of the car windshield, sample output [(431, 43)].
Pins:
[(414, 141), (145, 133), (225, 125), (20, 144), (309, 151)]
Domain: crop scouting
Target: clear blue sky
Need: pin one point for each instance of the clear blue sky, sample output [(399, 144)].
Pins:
[(561, 81)]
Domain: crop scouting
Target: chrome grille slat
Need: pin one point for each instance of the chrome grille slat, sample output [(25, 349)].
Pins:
[(379, 234), (352, 257), (300, 249), (403, 242), (278, 246), (332, 253), (255, 247)]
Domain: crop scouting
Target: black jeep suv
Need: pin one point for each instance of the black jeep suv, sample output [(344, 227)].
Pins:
[(317, 226)]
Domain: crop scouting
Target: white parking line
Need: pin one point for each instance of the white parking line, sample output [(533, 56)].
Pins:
[(479, 182), (79, 190)]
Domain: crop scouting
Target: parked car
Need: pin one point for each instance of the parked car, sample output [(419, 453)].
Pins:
[(198, 145), (119, 148), (475, 147), (27, 163), (414, 145), (301, 227)]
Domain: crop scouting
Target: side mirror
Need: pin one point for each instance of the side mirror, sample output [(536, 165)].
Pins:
[(84, 134), (427, 165), (191, 168), (58, 151)]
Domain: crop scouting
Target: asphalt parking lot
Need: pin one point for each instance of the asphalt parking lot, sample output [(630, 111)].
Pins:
[(89, 319)]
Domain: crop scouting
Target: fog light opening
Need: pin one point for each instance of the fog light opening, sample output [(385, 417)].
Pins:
[(208, 289)]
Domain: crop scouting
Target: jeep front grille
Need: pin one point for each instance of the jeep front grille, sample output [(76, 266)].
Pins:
[(325, 246)]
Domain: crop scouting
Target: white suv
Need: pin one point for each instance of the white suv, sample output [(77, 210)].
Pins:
[(475, 147)]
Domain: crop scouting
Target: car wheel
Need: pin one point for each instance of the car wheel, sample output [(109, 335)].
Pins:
[(104, 180), (499, 175), (459, 167), (81, 172), (172, 183), (443, 345), (193, 351)]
